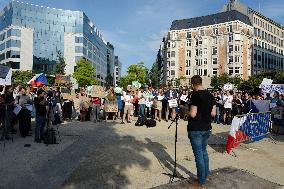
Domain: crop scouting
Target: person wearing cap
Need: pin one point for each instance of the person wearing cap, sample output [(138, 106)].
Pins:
[(40, 106)]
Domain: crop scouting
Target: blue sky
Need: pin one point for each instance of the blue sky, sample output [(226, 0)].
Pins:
[(136, 27)]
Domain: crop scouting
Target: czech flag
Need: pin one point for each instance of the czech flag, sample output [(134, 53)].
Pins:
[(253, 126), (38, 80)]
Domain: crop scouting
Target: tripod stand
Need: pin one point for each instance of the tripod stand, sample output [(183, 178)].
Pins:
[(174, 173)]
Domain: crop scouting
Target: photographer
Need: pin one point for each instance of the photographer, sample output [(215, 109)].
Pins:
[(40, 106)]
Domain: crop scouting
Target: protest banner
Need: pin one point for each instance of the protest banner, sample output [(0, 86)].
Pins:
[(173, 103), (273, 88), (5, 75)]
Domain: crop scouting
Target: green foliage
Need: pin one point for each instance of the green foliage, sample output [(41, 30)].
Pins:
[(84, 73), (154, 76), (252, 84), (60, 66), (135, 72), (21, 77)]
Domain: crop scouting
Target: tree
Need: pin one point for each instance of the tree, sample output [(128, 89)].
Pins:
[(60, 66), (109, 80), (84, 73), (21, 77), (154, 76), (135, 72)]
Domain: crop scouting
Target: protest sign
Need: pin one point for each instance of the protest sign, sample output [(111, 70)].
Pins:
[(173, 103), (184, 98), (228, 87), (149, 104), (273, 88), (62, 81), (136, 84), (98, 91), (132, 89), (266, 81), (160, 98), (110, 106), (5, 75)]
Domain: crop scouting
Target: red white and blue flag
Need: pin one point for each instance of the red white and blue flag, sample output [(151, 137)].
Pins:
[(252, 126), (38, 80)]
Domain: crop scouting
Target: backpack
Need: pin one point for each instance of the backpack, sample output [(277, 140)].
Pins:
[(151, 123), (49, 136), (141, 121)]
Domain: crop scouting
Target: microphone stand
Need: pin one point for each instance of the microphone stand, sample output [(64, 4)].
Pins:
[(174, 173)]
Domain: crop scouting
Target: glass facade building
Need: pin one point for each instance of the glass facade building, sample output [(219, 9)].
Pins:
[(31, 37)]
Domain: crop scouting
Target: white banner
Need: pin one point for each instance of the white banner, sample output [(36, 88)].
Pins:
[(273, 88), (228, 87), (184, 98)]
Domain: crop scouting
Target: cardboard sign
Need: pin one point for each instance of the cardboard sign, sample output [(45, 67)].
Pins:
[(160, 98), (62, 81), (110, 106), (98, 91), (173, 103), (132, 89), (266, 81), (272, 88)]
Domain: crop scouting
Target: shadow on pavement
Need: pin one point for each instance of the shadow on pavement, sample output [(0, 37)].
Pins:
[(218, 142), (106, 163), (227, 178), (164, 158)]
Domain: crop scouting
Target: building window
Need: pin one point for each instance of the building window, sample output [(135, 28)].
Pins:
[(172, 72), (231, 38), (231, 59), (188, 43), (2, 36), (12, 54), (215, 40), (200, 51), (215, 71), (205, 61), (187, 63), (187, 72), (197, 52), (214, 61), (237, 48), (173, 53), (230, 28), (237, 59), (188, 53), (205, 51), (200, 42), (2, 46), (168, 54), (237, 70), (231, 71), (205, 72), (2, 56), (173, 63), (215, 31), (188, 35), (78, 49), (169, 44), (173, 44), (78, 39), (196, 62), (214, 51), (168, 63), (231, 48)]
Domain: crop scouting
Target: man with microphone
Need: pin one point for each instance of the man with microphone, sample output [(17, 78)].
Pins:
[(202, 110)]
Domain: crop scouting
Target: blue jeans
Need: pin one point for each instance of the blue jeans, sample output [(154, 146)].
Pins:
[(40, 124), (217, 117), (199, 140), (142, 109)]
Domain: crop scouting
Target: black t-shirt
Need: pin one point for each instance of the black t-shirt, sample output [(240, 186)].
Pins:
[(8, 100), (217, 99), (204, 102), (40, 109)]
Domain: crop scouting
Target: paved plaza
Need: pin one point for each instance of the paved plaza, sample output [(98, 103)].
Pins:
[(110, 155)]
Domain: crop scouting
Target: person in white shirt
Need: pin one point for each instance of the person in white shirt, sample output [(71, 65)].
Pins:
[(228, 100), (128, 108)]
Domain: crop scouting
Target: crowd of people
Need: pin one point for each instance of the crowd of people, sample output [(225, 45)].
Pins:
[(49, 106)]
